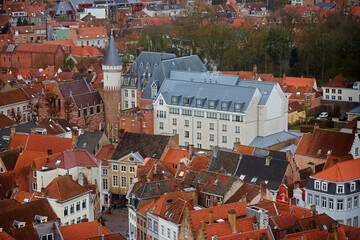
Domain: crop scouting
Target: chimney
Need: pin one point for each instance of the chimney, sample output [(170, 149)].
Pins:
[(215, 150), (49, 152), (332, 232), (74, 136), (268, 160), (263, 236), (157, 190), (263, 190), (43, 193), (13, 131), (316, 126), (211, 216), (312, 224), (313, 210), (232, 219), (191, 150), (236, 146), (254, 71)]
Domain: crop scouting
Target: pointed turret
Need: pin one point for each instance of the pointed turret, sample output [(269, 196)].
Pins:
[(112, 57)]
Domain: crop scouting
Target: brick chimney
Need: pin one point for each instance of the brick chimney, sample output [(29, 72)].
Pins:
[(313, 210), (191, 150), (12, 133), (43, 193), (268, 160), (263, 236), (296, 185), (332, 232), (254, 71), (211, 216), (157, 189), (263, 190), (232, 220), (75, 135), (49, 152)]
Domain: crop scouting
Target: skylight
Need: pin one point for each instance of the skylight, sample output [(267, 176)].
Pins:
[(254, 179), (216, 181), (242, 176), (57, 162), (171, 215), (181, 173)]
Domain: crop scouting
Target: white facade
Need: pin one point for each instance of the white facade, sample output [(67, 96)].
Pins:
[(129, 98), (206, 128), (165, 12), (132, 224), (342, 94), (96, 42), (112, 77), (152, 227), (73, 210), (168, 230), (98, 13), (20, 108)]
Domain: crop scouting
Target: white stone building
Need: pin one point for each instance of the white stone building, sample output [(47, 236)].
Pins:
[(211, 109)]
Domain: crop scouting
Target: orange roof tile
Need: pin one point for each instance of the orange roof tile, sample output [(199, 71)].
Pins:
[(63, 188), (64, 43), (86, 51), (242, 75), (35, 47), (254, 235), (21, 195), (297, 82), (353, 233), (276, 209), (91, 32), (339, 82), (199, 163), (224, 229), (220, 212), (13, 96), (341, 172), (247, 150), (5, 121), (105, 152), (73, 158), (83, 230), (27, 158), (5, 236), (174, 155)]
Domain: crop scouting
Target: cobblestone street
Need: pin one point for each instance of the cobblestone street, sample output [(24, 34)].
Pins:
[(117, 221)]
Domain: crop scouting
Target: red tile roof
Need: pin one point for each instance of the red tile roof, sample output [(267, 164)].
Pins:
[(8, 203), (220, 212), (13, 96), (64, 43), (28, 157), (24, 233), (254, 235), (295, 106), (41, 143), (91, 32), (5, 236), (297, 82), (176, 210), (25, 213), (247, 190), (284, 222), (83, 230), (5, 121), (21, 195), (247, 150), (86, 51), (35, 47), (242, 75), (63, 188), (224, 229), (323, 143), (105, 152), (174, 155), (199, 163), (276, 209), (112, 236), (33, 90), (353, 233), (70, 159), (341, 172), (340, 82), (16, 177), (300, 93)]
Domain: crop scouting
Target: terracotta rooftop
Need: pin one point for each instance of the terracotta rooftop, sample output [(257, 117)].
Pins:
[(284, 222), (23, 196), (295, 106), (35, 47), (199, 163), (5, 236), (9, 158), (13, 96), (254, 235), (17, 177), (105, 153), (248, 150), (91, 33), (28, 158), (247, 190), (341, 172), (175, 155), (73, 158), (5, 121), (323, 143), (8, 203), (224, 229), (276, 209), (340, 82), (242, 74), (299, 81), (25, 213), (86, 51), (63, 188), (112, 236), (83, 230)]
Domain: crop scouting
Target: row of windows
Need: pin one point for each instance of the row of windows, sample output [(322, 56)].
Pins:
[(115, 181), (338, 98), (123, 168), (200, 102), (126, 93), (77, 220), (91, 111), (339, 187), (72, 207), (199, 125), (211, 137), (327, 90), (324, 202), (153, 226), (210, 115), (126, 103), (133, 123)]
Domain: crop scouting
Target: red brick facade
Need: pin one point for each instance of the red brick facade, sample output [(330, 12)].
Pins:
[(137, 120), (30, 55)]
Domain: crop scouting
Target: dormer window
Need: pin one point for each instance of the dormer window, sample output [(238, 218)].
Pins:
[(161, 102), (317, 185), (297, 93), (186, 101), (319, 151), (212, 104), (199, 102), (237, 107), (174, 100), (224, 106), (153, 91), (353, 186), (340, 188), (324, 186)]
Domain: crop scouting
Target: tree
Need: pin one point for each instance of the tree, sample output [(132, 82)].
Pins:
[(15, 116), (5, 29), (69, 64), (33, 110)]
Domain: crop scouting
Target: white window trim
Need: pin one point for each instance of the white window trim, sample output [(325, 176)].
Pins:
[(337, 188), (353, 186), (317, 182), (324, 186), (121, 166), (117, 167)]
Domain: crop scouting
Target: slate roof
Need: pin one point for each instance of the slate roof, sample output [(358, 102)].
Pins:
[(267, 141), (75, 87), (148, 189), (77, 2), (188, 63), (74, 158), (323, 143), (254, 170), (25, 213), (85, 99), (146, 144), (355, 110), (112, 57), (9, 158), (64, 188), (60, 8), (224, 160), (88, 141)]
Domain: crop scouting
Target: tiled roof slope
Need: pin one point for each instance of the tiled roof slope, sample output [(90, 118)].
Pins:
[(5, 121), (112, 236), (74, 158), (224, 228), (13, 96), (5, 236), (276, 209), (17, 177), (284, 222), (82, 100), (147, 145), (25, 213), (83, 230), (105, 152), (328, 141), (297, 82), (341, 172), (214, 183), (9, 158), (176, 210), (254, 235), (63, 188), (28, 158), (24, 233), (74, 87), (8, 203), (247, 190), (88, 141), (340, 82), (224, 160)]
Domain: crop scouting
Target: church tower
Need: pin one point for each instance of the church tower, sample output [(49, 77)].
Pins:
[(112, 68)]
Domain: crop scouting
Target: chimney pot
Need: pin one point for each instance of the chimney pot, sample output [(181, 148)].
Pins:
[(211, 216), (232, 219)]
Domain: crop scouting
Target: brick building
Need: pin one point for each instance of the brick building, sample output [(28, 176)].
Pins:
[(137, 120), (75, 101), (31, 55), (28, 34)]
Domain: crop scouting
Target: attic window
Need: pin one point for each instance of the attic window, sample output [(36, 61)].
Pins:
[(153, 208), (237, 107), (329, 152), (216, 181), (224, 106), (85, 144), (319, 151), (297, 93), (171, 215), (199, 102), (103, 35), (167, 213), (174, 100), (97, 36), (131, 159), (211, 104), (254, 179), (242, 177), (186, 101), (26, 200), (181, 173), (81, 36), (86, 36), (57, 162)]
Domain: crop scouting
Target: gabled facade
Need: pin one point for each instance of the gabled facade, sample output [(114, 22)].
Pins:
[(335, 191), (192, 105), (89, 36), (341, 88)]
